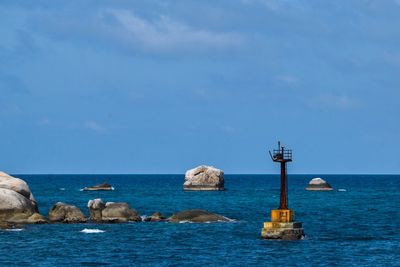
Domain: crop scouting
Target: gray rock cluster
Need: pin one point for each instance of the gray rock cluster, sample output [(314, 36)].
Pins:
[(204, 178), (112, 212), (18, 206)]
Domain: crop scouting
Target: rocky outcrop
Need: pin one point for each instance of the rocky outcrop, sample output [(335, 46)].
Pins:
[(112, 212), (318, 184), (65, 213), (17, 204), (198, 216), (156, 217), (204, 178), (96, 206), (99, 187)]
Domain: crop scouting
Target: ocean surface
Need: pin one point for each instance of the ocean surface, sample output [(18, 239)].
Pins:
[(355, 226)]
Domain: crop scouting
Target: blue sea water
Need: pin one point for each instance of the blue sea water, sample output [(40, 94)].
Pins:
[(356, 227)]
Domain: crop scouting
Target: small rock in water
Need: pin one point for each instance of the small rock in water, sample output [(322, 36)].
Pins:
[(198, 216), (204, 178), (99, 187), (318, 184), (156, 217)]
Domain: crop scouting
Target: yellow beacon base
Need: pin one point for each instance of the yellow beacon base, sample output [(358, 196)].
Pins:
[(282, 226)]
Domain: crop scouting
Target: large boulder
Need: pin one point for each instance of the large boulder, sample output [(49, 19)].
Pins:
[(198, 216), (66, 213), (16, 184), (17, 204), (112, 212), (204, 178), (318, 184)]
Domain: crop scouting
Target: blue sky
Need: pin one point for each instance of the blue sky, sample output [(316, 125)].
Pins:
[(113, 86)]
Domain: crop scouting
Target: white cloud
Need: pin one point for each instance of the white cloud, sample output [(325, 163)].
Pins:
[(332, 101), (288, 79), (94, 126), (166, 34)]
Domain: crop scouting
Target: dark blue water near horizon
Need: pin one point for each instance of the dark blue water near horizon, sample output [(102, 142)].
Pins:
[(355, 227)]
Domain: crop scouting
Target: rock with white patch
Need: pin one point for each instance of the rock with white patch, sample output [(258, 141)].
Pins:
[(318, 184), (204, 178)]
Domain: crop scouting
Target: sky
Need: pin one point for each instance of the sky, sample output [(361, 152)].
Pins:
[(151, 86)]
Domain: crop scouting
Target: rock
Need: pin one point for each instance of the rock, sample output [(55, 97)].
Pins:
[(318, 184), (17, 203), (112, 211), (119, 212), (35, 218), (66, 213), (99, 187), (16, 184), (204, 178), (156, 217), (199, 216), (95, 208)]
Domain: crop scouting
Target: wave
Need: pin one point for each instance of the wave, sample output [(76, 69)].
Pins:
[(92, 231), (342, 190), (15, 230)]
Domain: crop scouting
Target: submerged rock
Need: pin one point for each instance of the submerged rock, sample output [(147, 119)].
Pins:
[(318, 184), (66, 213), (112, 212), (17, 203), (204, 178), (198, 216), (99, 187)]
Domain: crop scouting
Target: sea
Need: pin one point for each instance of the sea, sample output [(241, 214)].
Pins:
[(356, 224)]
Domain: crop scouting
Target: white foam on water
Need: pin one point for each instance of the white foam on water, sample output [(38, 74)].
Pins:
[(229, 219), (342, 190), (112, 188), (62, 188), (92, 231), (185, 221), (15, 230), (81, 189)]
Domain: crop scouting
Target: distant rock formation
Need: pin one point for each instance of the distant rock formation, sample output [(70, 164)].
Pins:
[(204, 178), (99, 187), (112, 212), (318, 184), (17, 204), (197, 216), (66, 213)]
